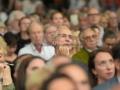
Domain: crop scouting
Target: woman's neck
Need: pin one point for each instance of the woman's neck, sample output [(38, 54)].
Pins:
[(100, 81), (11, 57), (24, 35)]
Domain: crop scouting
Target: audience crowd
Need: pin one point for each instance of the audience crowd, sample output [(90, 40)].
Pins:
[(59, 44)]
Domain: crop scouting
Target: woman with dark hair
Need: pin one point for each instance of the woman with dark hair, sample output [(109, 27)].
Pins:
[(101, 66), (25, 69), (11, 40)]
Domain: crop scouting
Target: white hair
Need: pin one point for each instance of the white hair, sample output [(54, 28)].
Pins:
[(13, 13), (49, 25), (56, 32)]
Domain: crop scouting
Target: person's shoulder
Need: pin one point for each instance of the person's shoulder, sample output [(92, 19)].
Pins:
[(47, 46), (107, 85), (82, 50), (25, 49)]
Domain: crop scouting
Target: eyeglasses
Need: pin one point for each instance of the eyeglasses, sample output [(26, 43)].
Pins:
[(88, 38), (65, 35), (95, 14)]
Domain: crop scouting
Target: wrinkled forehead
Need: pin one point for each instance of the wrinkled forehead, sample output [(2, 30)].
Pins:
[(35, 27), (88, 32), (65, 31)]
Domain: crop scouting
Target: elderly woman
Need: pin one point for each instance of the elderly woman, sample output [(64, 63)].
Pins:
[(5, 74)]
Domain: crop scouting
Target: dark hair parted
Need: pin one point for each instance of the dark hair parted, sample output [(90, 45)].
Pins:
[(109, 34), (21, 73), (91, 65), (116, 51), (46, 84), (10, 38)]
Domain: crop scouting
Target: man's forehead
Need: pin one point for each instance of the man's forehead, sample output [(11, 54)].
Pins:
[(88, 32), (33, 28), (110, 39), (64, 31), (51, 28), (93, 10), (17, 15), (112, 14)]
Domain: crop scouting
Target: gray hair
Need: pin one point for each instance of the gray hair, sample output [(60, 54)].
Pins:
[(56, 32), (80, 34), (32, 24), (109, 34), (13, 13), (48, 25), (88, 27)]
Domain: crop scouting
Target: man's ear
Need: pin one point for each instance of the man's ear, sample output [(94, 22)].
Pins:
[(81, 41), (117, 64), (53, 42)]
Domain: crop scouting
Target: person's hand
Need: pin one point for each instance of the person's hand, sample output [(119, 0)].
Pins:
[(7, 79), (64, 50)]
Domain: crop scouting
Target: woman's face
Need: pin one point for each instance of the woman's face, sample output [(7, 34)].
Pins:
[(57, 19), (104, 22), (104, 67), (66, 22), (61, 84), (11, 49), (34, 64)]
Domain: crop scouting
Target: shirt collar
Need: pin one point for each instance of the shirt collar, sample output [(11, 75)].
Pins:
[(33, 46), (90, 50)]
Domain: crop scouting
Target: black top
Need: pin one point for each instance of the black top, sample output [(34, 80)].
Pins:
[(21, 42), (12, 68)]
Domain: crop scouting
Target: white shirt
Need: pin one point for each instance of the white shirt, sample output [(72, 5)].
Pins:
[(47, 51)]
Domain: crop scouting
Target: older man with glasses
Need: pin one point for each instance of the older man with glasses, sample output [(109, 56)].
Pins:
[(63, 41), (88, 38), (94, 19)]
